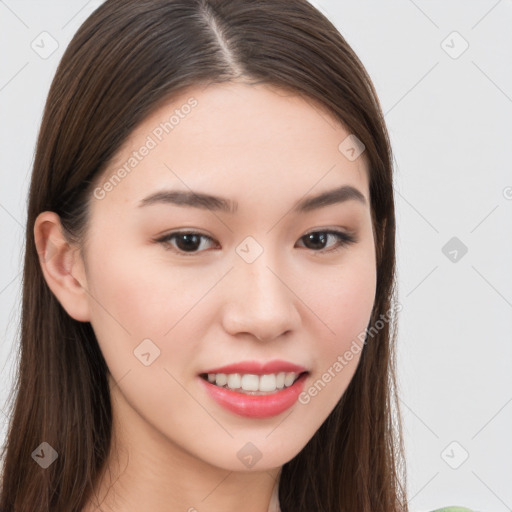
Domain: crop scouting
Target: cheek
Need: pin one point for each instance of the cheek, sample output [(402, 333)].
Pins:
[(343, 298), (135, 298), (344, 306), (129, 304)]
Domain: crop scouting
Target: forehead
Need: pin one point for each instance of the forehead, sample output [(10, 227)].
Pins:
[(236, 137)]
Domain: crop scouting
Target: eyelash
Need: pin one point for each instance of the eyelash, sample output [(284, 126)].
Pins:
[(344, 240)]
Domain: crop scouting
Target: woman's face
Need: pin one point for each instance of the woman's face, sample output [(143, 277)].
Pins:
[(244, 285)]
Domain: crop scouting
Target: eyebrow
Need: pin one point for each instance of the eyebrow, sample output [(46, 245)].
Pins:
[(210, 202)]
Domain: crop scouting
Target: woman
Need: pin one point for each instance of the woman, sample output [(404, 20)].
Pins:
[(208, 309)]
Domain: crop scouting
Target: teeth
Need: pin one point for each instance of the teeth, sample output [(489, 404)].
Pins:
[(234, 381), (253, 383), (289, 379), (267, 383)]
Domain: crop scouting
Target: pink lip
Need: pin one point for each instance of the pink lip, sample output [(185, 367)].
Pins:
[(257, 368), (256, 406)]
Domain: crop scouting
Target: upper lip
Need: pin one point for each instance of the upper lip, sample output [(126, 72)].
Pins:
[(258, 368)]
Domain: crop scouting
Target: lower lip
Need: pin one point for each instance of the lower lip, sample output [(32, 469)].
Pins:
[(256, 406)]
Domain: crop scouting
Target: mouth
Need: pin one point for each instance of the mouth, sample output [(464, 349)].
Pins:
[(254, 396), (253, 384)]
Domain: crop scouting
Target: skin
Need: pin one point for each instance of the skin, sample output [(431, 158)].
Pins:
[(265, 148)]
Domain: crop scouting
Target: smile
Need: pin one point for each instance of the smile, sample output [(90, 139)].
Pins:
[(255, 404)]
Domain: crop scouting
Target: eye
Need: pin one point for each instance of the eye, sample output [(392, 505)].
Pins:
[(188, 242), (320, 237)]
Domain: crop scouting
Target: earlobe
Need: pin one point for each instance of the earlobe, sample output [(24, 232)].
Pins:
[(62, 266)]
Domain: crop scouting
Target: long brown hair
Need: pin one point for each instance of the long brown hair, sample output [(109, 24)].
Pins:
[(126, 59)]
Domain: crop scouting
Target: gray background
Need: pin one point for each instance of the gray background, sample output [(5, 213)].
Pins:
[(449, 114)]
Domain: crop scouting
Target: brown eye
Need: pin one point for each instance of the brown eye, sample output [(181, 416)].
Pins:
[(186, 242), (317, 239)]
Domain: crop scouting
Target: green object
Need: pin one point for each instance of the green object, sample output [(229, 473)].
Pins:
[(453, 509)]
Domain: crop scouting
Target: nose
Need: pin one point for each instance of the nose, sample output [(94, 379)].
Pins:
[(261, 302)]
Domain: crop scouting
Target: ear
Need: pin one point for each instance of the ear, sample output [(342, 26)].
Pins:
[(62, 266)]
